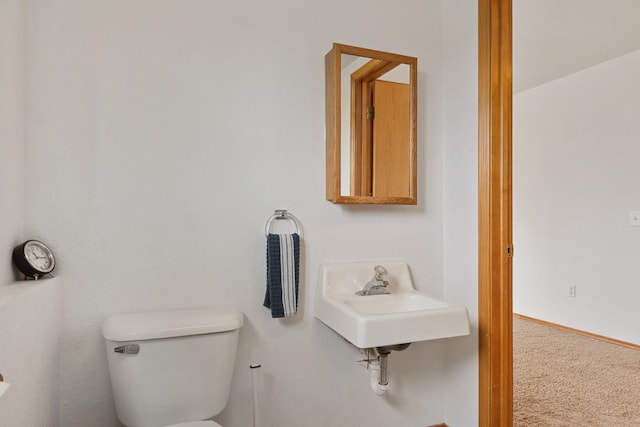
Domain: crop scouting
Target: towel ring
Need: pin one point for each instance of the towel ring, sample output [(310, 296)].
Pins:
[(282, 214)]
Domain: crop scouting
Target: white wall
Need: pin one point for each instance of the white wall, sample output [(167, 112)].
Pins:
[(29, 313), (460, 53), (11, 131), (29, 316), (161, 135), (576, 179)]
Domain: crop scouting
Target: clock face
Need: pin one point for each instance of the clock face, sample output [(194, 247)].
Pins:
[(39, 256)]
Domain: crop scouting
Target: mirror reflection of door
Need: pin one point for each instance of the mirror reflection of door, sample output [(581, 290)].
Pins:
[(390, 175), (380, 139)]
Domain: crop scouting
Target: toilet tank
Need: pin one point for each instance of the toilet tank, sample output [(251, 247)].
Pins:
[(175, 366)]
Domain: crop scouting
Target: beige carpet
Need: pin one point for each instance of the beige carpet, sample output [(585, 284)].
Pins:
[(565, 379)]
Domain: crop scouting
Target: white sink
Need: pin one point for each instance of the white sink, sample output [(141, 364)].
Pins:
[(404, 315)]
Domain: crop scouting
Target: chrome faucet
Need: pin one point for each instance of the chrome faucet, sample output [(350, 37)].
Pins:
[(378, 285)]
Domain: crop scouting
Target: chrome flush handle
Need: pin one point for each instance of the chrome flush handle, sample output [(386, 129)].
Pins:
[(128, 349)]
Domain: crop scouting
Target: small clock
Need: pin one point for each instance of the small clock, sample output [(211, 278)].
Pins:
[(34, 259)]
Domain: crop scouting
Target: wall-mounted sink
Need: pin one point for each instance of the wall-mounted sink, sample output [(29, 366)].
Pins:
[(404, 315)]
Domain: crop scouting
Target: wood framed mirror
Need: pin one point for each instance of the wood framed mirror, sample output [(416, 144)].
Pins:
[(371, 126)]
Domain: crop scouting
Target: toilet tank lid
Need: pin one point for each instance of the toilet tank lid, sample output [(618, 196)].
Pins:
[(171, 323)]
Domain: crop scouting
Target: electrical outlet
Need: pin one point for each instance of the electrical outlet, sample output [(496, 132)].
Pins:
[(572, 291)]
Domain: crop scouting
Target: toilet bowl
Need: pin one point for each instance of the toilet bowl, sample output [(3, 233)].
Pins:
[(172, 368)]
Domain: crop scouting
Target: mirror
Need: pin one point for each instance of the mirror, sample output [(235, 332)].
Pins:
[(371, 126)]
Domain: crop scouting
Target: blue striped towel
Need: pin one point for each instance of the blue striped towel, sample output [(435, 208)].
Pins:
[(283, 273)]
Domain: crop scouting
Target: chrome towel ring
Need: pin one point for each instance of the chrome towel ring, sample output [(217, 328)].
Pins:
[(282, 214)]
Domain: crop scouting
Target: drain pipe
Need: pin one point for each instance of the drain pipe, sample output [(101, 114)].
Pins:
[(374, 379), (379, 373), (384, 376), (255, 376), (379, 377)]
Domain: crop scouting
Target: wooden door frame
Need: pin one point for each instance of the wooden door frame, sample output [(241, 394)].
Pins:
[(495, 249)]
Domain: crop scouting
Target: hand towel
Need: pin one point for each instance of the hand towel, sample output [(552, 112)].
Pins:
[(283, 271)]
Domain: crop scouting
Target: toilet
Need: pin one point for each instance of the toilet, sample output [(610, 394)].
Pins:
[(172, 368)]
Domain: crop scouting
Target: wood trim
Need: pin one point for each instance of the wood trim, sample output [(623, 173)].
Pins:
[(439, 425), (372, 70), (360, 170), (367, 200), (374, 54), (332, 123), (579, 332), (413, 117), (495, 322)]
